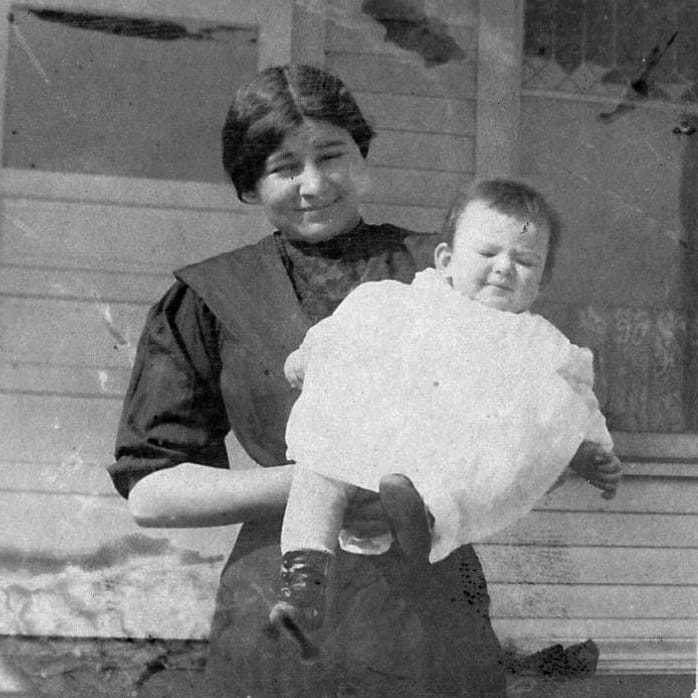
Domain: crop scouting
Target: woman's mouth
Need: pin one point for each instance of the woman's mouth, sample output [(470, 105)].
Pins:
[(316, 207)]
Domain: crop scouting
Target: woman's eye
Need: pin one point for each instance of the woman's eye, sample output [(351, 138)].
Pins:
[(486, 253), (285, 169), (330, 156)]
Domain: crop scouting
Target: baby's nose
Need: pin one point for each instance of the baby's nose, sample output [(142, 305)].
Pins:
[(503, 264)]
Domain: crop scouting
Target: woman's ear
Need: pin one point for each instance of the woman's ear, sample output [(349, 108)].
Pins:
[(442, 258)]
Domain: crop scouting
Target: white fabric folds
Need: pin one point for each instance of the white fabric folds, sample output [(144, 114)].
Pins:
[(482, 409)]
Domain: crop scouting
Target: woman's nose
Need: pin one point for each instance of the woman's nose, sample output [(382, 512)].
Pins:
[(311, 180)]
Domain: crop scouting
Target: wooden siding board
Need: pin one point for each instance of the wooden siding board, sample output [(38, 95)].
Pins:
[(73, 333), (418, 114), (589, 565), (544, 631), (69, 430), (118, 238), (425, 188), (640, 495), (403, 75), (592, 601), (62, 526), (562, 528), (422, 219), (81, 284), (24, 377), (423, 151)]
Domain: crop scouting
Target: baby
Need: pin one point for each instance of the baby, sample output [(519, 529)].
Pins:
[(449, 381)]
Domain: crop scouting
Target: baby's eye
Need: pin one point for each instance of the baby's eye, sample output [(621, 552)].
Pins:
[(486, 253)]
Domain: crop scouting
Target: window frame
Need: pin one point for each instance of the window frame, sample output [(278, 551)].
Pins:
[(274, 21)]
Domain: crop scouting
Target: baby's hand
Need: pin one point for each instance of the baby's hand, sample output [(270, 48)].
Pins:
[(599, 467), (294, 369)]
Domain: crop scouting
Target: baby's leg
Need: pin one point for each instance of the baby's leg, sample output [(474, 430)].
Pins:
[(313, 519), (314, 512)]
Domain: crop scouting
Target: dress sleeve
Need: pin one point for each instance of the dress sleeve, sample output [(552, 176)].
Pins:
[(173, 410), (578, 370)]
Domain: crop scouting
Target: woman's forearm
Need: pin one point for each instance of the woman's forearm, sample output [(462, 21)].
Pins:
[(192, 495)]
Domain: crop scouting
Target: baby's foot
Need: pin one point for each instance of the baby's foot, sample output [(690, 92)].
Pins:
[(301, 604)]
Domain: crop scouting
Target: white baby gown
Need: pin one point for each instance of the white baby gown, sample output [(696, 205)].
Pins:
[(482, 409)]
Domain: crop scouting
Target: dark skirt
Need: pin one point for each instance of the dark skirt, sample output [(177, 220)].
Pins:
[(384, 634)]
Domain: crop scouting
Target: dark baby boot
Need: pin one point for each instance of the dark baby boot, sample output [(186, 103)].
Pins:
[(301, 604)]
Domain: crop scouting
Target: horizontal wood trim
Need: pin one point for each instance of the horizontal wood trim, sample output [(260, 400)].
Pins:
[(656, 446), (660, 469), (592, 601), (424, 151), (72, 235), (589, 565), (647, 656), (404, 75), (418, 114)]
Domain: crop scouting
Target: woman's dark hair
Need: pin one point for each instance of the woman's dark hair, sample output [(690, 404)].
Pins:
[(277, 101), (512, 199)]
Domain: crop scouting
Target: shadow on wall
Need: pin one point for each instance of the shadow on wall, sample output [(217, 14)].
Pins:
[(410, 28)]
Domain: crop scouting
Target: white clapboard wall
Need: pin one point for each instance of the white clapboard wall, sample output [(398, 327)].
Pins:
[(76, 279)]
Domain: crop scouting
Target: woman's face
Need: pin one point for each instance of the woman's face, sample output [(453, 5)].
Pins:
[(310, 185)]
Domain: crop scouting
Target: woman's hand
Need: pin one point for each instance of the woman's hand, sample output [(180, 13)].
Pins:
[(364, 515), (599, 467)]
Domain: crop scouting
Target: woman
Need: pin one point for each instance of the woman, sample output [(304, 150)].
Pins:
[(211, 359)]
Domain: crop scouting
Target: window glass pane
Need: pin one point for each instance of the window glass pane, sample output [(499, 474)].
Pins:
[(121, 95)]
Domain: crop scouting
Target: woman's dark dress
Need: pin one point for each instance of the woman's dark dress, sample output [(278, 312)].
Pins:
[(211, 359)]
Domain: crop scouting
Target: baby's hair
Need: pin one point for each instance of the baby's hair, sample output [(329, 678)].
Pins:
[(511, 198), (277, 101)]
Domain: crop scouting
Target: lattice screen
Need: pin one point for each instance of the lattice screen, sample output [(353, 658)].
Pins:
[(648, 48)]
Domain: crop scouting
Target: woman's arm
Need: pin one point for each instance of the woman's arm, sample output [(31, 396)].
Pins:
[(191, 495)]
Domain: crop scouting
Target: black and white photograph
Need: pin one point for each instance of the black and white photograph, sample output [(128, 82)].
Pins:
[(349, 348)]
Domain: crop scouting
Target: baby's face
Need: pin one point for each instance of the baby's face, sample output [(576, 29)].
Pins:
[(496, 259)]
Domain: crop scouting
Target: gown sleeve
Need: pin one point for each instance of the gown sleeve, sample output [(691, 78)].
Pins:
[(579, 372), (173, 411)]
